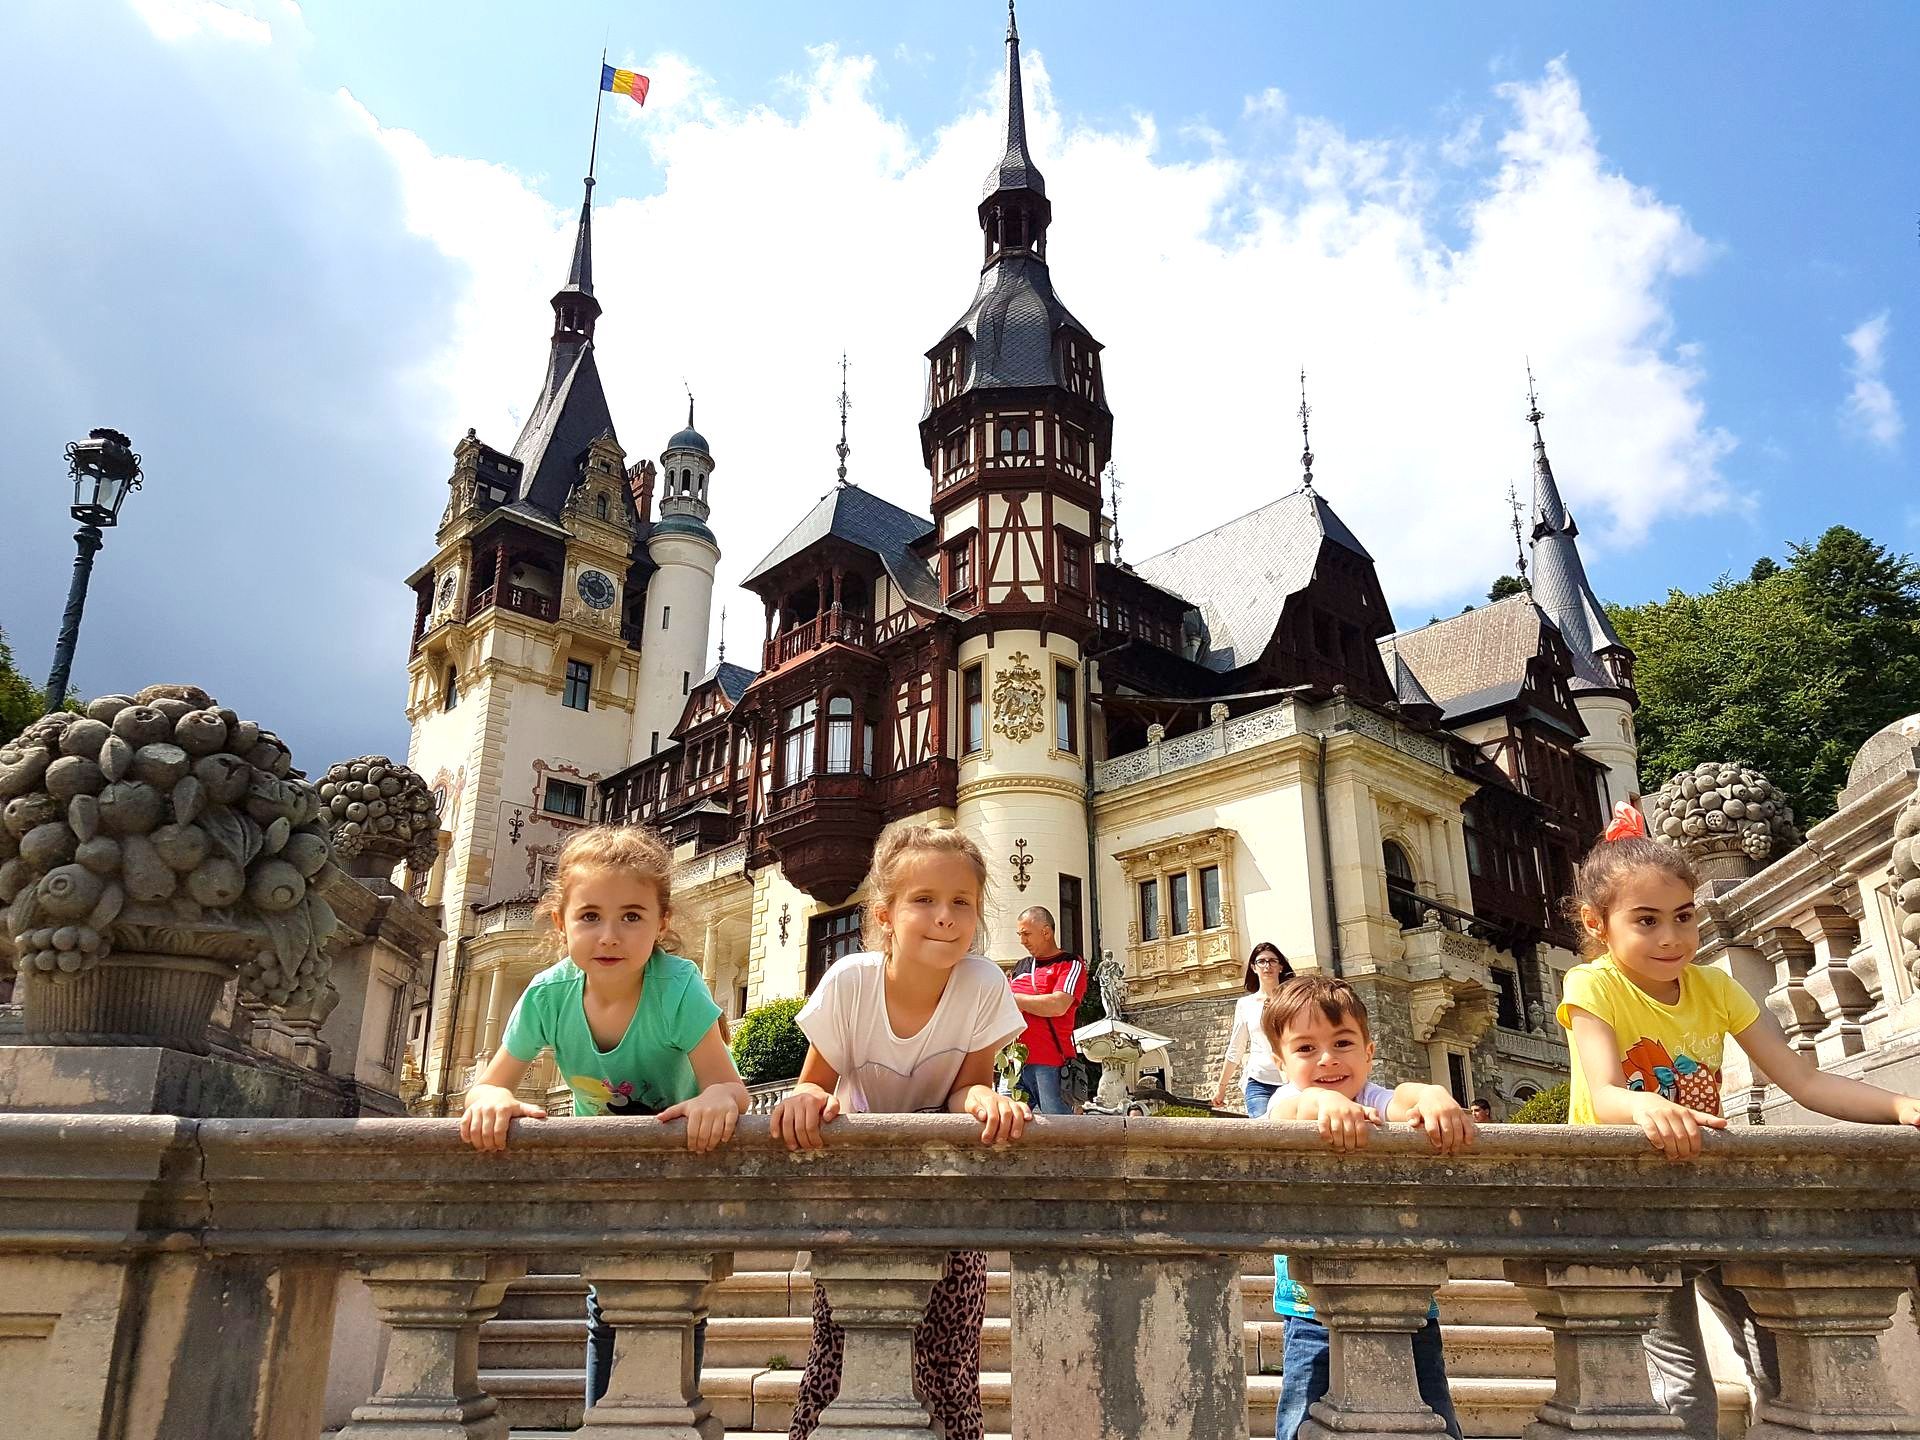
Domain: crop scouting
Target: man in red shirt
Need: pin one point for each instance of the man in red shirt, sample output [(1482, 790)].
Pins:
[(1048, 986)]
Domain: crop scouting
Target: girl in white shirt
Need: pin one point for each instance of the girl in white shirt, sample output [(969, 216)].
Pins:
[(911, 1025), (1266, 969)]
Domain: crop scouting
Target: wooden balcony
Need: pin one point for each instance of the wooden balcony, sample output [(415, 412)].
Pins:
[(518, 599), (196, 1265), (835, 627)]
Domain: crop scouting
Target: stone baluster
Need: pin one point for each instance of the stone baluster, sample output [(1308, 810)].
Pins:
[(1827, 1317), (1171, 1355), (1797, 1010), (1371, 1308), (1599, 1316), (429, 1388), (1830, 980), (653, 1301), (877, 1298)]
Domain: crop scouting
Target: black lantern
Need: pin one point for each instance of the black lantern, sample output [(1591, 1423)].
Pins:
[(104, 469)]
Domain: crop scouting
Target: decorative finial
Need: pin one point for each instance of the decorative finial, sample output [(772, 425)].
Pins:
[(1013, 26), (1519, 543), (1306, 444), (723, 634), (843, 449), (689, 404), (1534, 416), (1112, 477)]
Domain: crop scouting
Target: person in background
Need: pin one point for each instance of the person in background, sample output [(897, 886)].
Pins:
[(1247, 1045), (1482, 1111), (1048, 986)]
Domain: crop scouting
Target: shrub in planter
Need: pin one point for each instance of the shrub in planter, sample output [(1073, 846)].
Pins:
[(767, 1044), (1549, 1107)]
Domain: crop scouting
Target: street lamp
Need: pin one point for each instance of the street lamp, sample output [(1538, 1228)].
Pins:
[(104, 470)]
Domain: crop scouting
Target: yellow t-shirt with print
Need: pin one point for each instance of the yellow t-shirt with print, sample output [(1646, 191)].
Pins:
[(1671, 1050)]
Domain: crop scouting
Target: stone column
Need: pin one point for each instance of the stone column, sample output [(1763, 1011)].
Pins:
[(877, 1298), (653, 1302), (1457, 860), (1599, 1315), (1830, 980), (434, 1306), (1796, 1009), (1827, 1317), (496, 1005), (1110, 1347), (1372, 1307), (1441, 861)]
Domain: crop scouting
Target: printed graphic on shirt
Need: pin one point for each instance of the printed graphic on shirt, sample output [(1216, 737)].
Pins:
[(618, 1097), (1677, 1077)]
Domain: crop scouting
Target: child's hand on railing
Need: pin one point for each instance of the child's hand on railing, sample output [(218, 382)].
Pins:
[(1674, 1129), (1001, 1117), (796, 1120), (1449, 1128), (711, 1116), (1344, 1124), (490, 1109)]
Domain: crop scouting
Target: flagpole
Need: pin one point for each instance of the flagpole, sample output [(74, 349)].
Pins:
[(599, 89)]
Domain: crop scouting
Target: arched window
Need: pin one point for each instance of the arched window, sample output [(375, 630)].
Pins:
[(839, 736), (450, 692), (600, 506), (1023, 439), (1006, 439), (1402, 899)]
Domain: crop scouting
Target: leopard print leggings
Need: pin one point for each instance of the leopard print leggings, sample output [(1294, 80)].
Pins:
[(946, 1353)]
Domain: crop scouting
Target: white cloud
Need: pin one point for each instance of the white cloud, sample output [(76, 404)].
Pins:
[(176, 20), (1870, 410)]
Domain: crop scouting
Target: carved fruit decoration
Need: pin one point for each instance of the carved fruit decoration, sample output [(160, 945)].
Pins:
[(163, 821), (377, 807), (1714, 806), (1906, 880)]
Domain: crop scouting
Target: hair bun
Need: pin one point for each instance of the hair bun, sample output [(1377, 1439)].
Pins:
[(1628, 823)]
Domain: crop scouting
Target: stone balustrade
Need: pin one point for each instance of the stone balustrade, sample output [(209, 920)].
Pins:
[(163, 1277)]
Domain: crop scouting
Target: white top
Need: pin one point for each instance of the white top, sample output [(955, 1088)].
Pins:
[(1248, 1043), (883, 1073)]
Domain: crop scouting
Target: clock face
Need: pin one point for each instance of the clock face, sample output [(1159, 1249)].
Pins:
[(596, 588), (449, 583)]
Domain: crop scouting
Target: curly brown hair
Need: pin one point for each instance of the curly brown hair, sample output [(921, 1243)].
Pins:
[(631, 849), (1596, 884)]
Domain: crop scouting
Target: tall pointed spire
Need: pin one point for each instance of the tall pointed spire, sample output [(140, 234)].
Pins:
[(1306, 442), (1016, 170), (843, 449), (1560, 586)]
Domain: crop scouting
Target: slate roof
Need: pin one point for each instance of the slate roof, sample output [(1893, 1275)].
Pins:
[(1407, 688), (733, 679), (1560, 585), (862, 518), (1240, 575), (1476, 660), (1012, 322), (1015, 169), (571, 414)]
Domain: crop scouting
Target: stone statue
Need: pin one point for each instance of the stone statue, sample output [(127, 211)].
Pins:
[(1906, 880), (1536, 1017), (1728, 819), (152, 848), (1113, 987), (382, 814)]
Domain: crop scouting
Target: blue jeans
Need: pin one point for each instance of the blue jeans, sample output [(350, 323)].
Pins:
[(1305, 1374), (1042, 1084), (1259, 1096), (600, 1350)]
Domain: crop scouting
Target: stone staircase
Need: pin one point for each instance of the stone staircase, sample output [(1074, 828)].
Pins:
[(1500, 1364)]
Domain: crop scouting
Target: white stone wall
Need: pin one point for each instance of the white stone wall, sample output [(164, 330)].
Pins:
[(1611, 740)]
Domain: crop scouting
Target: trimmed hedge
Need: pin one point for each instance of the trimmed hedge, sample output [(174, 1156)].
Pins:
[(1549, 1107), (767, 1044)]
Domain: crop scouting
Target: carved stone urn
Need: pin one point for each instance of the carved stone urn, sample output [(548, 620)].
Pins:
[(154, 848), (1727, 819)]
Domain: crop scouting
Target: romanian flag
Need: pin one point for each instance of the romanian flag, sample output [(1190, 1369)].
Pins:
[(624, 82)]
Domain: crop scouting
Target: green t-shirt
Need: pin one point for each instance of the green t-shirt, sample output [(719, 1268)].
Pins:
[(649, 1069)]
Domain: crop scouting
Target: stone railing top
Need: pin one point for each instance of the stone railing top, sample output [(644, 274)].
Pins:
[(74, 1184)]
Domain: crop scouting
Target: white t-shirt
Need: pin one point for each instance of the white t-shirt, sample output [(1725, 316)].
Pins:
[(882, 1073), (1249, 1043)]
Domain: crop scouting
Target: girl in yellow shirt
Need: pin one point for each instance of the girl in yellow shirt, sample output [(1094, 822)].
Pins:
[(1647, 1028)]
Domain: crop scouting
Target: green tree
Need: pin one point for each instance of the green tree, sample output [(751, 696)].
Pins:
[(21, 702), (1505, 585), (1791, 671), (1763, 567)]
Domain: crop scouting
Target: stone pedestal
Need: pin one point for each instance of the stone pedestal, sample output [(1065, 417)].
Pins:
[(147, 1080), (877, 1298), (1599, 1316), (1371, 1309), (653, 1302), (1110, 1347)]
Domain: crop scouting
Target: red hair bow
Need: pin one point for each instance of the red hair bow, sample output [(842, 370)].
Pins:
[(1628, 823)]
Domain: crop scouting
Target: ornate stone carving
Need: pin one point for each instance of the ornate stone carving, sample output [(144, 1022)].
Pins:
[(382, 813), (163, 837), (1728, 819), (1906, 881), (1427, 1005), (1019, 700), (1022, 861)]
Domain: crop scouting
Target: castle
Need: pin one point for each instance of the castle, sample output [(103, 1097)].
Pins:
[(1227, 742)]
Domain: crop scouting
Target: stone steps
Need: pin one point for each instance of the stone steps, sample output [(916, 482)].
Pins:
[(1499, 1363)]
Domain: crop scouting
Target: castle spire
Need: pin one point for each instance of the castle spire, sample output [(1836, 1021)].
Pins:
[(1306, 442), (843, 449)]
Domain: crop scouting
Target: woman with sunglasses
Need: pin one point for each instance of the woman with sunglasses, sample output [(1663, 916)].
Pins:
[(1266, 968)]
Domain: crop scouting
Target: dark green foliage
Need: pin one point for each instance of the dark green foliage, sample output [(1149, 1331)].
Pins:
[(1549, 1107), (1763, 567), (1790, 670), (767, 1045), (1504, 586), (21, 701)]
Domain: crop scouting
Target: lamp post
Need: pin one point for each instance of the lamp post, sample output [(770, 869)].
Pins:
[(104, 469)]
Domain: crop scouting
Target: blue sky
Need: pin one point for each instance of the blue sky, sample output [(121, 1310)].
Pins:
[(296, 251)]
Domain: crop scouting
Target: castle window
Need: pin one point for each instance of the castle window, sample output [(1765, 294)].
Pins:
[(1210, 914), (563, 797), (839, 736), (1402, 899), (828, 938), (866, 750), (973, 709), (450, 691), (960, 568), (796, 758), (666, 616), (1070, 571), (1072, 931), (686, 679), (1065, 691), (579, 683), (600, 506), (1023, 439), (1179, 910), (1149, 909)]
